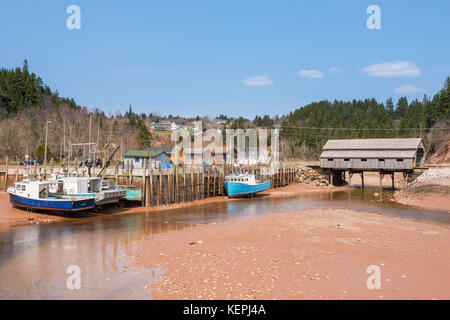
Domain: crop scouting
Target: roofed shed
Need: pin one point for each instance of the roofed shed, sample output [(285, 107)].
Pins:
[(140, 159), (373, 154)]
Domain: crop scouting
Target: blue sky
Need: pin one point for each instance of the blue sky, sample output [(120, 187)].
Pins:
[(233, 57)]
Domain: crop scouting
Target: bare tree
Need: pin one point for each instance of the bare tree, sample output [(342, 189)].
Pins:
[(9, 140)]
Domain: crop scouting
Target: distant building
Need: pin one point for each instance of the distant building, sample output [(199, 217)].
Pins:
[(158, 127), (187, 127), (174, 126), (220, 121), (215, 155)]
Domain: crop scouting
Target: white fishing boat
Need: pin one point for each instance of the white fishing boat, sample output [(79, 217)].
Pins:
[(102, 191)]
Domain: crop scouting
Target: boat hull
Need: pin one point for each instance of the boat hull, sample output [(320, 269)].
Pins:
[(134, 194), (237, 189), (52, 204), (104, 197)]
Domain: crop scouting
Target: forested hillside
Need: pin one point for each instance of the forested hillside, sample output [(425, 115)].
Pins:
[(26, 103), (20, 89), (306, 129)]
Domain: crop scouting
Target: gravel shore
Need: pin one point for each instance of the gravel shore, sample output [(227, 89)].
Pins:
[(431, 190)]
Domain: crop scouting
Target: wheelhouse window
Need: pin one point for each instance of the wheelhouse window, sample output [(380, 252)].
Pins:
[(381, 160), (346, 159), (330, 159), (23, 187), (364, 160), (399, 160)]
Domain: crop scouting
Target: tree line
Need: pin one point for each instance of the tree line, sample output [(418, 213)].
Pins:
[(26, 103), (306, 129)]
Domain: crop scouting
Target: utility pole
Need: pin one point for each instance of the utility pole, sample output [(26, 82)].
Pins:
[(45, 150), (90, 116), (98, 139), (64, 125)]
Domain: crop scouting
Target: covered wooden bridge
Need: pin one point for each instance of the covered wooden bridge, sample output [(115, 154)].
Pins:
[(385, 156)]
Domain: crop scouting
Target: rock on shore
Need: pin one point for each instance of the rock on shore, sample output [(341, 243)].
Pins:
[(310, 176)]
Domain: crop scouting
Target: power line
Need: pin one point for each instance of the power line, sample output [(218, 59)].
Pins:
[(374, 129)]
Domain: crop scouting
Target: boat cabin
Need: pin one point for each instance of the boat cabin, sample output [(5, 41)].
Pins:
[(242, 178), (81, 185), (32, 189)]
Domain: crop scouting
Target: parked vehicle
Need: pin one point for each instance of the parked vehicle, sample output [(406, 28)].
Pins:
[(30, 162), (97, 163)]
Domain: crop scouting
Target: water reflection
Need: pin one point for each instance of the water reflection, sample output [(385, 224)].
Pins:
[(34, 259)]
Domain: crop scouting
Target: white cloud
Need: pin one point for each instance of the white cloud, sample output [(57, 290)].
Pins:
[(393, 69), (257, 81), (311, 74), (407, 89), (335, 70)]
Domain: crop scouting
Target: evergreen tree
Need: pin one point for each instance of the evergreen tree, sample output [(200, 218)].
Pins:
[(143, 137), (39, 153), (390, 107)]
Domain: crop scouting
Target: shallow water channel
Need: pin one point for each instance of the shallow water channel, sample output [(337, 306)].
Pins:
[(34, 259)]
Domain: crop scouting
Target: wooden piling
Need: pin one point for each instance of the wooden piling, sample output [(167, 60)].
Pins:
[(6, 173), (144, 188), (207, 182), (127, 172), (177, 187), (184, 183), (214, 182), (160, 187), (151, 186)]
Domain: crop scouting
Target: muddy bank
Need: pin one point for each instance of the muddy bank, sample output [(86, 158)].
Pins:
[(11, 217), (312, 254)]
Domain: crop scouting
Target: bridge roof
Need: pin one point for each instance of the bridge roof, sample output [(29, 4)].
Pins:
[(373, 144)]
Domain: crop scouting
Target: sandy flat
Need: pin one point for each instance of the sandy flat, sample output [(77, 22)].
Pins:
[(313, 254)]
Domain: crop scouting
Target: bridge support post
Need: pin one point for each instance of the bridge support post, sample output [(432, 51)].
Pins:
[(381, 180), (405, 179), (362, 179), (392, 177)]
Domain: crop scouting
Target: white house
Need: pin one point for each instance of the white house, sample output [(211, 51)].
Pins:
[(174, 126)]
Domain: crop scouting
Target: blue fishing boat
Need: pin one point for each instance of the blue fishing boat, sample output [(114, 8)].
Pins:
[(35, 195), (239, 185)]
